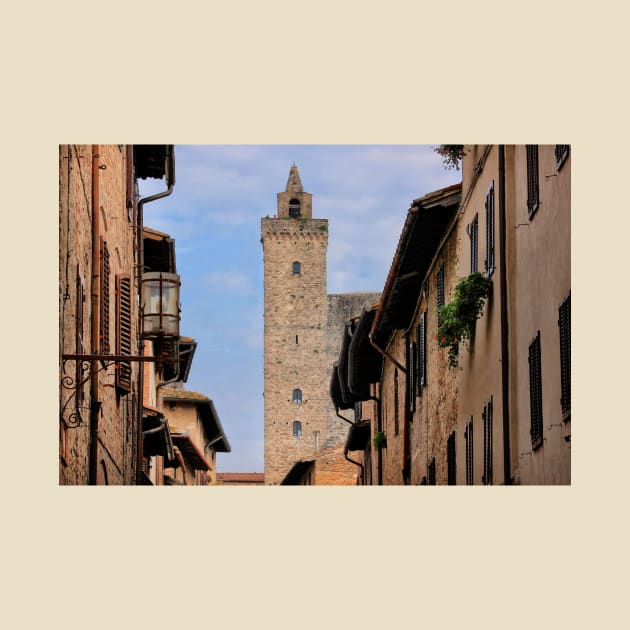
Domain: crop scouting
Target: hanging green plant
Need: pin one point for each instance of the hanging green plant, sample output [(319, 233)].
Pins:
[(380, 440), (451, 155), (456, 320)]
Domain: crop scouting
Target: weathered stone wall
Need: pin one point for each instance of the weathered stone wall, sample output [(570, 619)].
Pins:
[(117, 413), (295, 340)]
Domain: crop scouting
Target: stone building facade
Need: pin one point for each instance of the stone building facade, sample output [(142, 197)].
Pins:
[(301, 324)]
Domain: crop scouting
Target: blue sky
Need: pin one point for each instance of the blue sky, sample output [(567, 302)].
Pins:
[(220, 195)]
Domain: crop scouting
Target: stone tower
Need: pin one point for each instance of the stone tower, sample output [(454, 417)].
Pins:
[(295, 337)]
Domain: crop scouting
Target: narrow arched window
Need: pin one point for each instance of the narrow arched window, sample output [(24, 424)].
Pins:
[(297, 268), (294, 209), (297, 396), (297, 428)]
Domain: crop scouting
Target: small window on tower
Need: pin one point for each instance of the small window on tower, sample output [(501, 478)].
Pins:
[(294, 209), (297, 268), (297, 428), (297, 396)]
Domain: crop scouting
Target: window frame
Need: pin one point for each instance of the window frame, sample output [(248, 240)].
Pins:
[(533, 179), (487, 414), (535, 393), (297, 394), (474, 244), (297, 428), (490, 232), (296, 265)]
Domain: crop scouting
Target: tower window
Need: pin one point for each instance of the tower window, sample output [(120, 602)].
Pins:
[(297, 268), (297, 396), (297, 428), (294, 209)]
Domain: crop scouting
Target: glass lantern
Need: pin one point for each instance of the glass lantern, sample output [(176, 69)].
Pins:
[(160, 304)]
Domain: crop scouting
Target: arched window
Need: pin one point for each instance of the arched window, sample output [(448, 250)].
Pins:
[(297, 428), (297, 268), (297, 396), (294, 209)]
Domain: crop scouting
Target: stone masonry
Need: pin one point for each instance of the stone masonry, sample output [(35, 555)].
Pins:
[(299, 347)]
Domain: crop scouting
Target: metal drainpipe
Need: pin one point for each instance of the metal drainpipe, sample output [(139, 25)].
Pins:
[(140, 248), (95, 404), (345, 454), (505, 356)]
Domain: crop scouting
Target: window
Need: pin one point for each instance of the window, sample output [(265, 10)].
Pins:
[(440, 290), (450, 460), (562, 153), (123, 330), (487, 444), (532, 178), (431, 473), (104, 299), (78, 319), (535, 392), (297, 268), (468, 438), (294, 209), (490, 231), (421, 333), (297, 428), (411, 375), (474, 241), (564, 324), (297, 396)]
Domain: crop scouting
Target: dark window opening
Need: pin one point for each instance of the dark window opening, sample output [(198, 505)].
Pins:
[(79, 336), (411, 375), (297, 396), (297, 428), (564, 323), (487, 444), (421, 333), (450, 460), (440, 290), (431, 473), (396, 427), (294, 209), (535, 392), (532, 178), (490, 231), (297, 268)]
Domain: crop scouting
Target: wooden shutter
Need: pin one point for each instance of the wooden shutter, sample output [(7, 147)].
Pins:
[(411, 375), (535, 393), (450, 460), (564, 323), (123, 329), (474, 242), (440, 290), (532, 178), (104, 298), (562, 153), (468, 437), (489, 265), (421, 332), (487, 444)]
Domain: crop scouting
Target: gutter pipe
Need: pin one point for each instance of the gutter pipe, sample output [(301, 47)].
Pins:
[(505, 355)]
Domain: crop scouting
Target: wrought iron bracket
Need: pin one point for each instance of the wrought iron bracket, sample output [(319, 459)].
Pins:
[(87, 370)]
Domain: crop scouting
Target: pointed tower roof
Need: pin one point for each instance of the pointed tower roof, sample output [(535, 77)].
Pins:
[(294, 183)]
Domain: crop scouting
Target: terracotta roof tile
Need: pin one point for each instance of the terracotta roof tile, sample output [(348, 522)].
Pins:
[(169, 393), (238, 476)]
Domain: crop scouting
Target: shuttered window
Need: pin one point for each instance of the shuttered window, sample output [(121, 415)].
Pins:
[(468, 438), (431, 473), (487, 444), (104, 298), (489, 263), (123, 329), (396, 402), (564, 324), (450, 460), (474, 244), (421, 333), (562, 153), (440, 291), (535, 392), (412, 377), (532, 178)]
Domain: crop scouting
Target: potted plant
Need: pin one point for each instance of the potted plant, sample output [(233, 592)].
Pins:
[(451, 155), (380, 440), (456, 320)]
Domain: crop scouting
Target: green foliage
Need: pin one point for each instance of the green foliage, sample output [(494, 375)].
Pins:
[(451, 155), (456, 320), (380, 440)]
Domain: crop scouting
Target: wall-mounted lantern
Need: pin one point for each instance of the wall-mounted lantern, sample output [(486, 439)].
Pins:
[(160, 304)]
